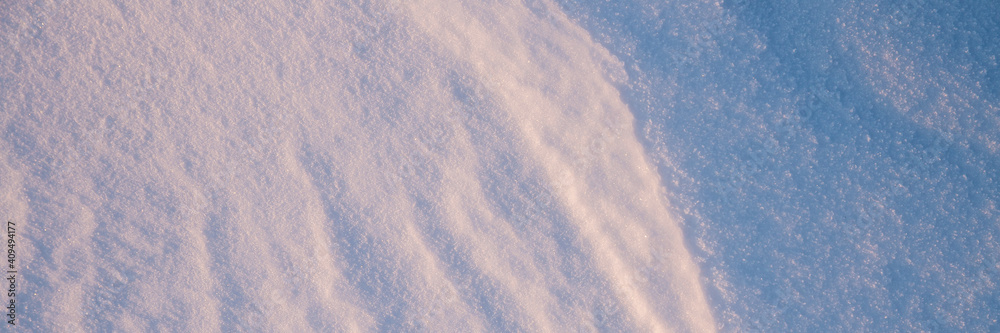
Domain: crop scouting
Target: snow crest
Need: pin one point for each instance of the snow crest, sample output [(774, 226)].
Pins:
[(307, 166)]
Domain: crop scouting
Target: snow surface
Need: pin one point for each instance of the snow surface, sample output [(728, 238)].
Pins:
[(449, 165)]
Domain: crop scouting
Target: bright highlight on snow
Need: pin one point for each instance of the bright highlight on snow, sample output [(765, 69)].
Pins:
[(542, 166)]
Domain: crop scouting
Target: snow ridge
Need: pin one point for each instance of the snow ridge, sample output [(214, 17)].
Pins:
[(306, 166)]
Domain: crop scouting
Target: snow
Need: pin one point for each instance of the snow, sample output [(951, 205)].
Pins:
[(835, 164), (538, 165)]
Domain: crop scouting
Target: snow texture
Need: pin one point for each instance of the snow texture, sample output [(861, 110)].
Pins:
[(535, 165)]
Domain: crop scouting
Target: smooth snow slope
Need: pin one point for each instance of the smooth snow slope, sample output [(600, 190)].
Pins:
[(835, 163), (330, 166)]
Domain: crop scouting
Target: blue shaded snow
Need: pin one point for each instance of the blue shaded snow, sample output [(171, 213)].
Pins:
[(835, 163)]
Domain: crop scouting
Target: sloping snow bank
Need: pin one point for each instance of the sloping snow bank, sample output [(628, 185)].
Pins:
[(300, 166)]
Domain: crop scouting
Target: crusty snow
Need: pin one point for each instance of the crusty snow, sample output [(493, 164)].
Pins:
[(535, 165)]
